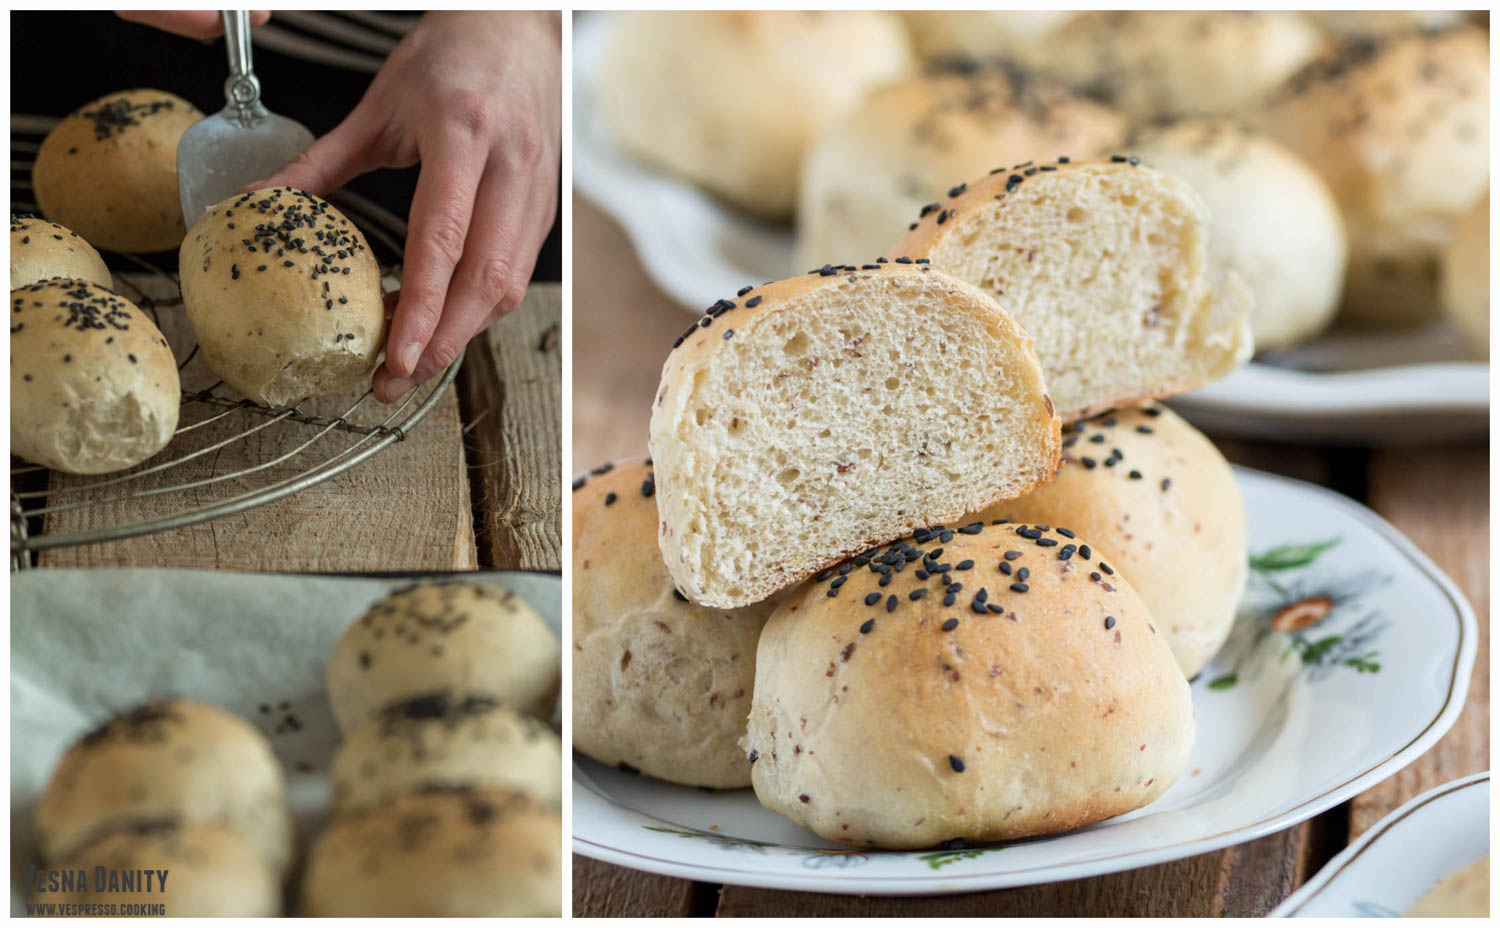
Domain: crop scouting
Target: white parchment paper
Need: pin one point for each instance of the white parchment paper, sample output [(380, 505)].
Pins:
[(86, 644)]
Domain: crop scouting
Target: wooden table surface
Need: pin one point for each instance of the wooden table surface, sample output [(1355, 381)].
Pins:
[(623, 327), (475, 484)]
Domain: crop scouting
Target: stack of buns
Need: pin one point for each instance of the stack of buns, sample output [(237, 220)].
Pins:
[(1337, 150), (448, 784), (990, 563), (173, 785)]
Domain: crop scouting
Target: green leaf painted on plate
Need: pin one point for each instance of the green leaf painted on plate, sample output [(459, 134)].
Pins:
[(1225, 682), (1365, 663), (937, 860), (709, 836), (1288, 557)]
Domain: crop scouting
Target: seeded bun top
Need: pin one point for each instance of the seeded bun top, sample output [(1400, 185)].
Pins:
[(439, 852), (93, 384), (983, 682), (109, 170), (1157, 499), (40, 250), (210, 872), (468, 637), (172, 760), (284, 296), (446, 738)]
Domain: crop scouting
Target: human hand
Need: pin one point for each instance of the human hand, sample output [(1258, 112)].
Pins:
[(192, 24), (477, 99)]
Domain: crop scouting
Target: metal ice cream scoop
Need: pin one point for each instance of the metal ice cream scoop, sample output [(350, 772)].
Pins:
[(241, 143)]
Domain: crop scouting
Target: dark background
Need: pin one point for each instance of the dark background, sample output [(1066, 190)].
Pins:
[(60, 61)]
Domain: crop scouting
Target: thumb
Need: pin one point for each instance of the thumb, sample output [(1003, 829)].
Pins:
[(331, 161)]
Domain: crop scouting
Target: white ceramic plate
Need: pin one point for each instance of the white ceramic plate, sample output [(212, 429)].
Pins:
[(1390, 388), (1290, 722), (1405, 855)]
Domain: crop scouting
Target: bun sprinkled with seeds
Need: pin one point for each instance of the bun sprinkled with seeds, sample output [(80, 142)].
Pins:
[(446, 738), (872, 168), (173, 760), (434, 636), (436, 853), (284, 296), (660, 685), (211, 872), (93, 384), (1106, 264), (975, 683), (41, 250), (730, 99), (808, 419), (1400, 131), (109, 170), (1160, 503)]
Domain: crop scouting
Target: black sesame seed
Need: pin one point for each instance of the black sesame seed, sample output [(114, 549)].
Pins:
[(950, 625), (867, 627), (872, 598), (1095, 576), (890, 604), (1012, 555), (1135, 475), (1109, 621), (1066, 533), (1023, 573), (1046, 542), (1106, 568), (753, 302), (609, 498), (954, 762), (1004, 568), (1166, 482), (1019, 587)]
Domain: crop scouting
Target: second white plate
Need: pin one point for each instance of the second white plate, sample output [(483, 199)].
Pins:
[(1291, 721)]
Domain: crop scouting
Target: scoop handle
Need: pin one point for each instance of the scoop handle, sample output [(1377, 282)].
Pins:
[(242, 89)]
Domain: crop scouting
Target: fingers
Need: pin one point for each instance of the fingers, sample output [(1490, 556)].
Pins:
[(192, 24), (513, 212), (441, 209), (331, 161)]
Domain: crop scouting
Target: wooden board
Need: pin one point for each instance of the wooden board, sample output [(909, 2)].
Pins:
[(408, 507), (511, 390)]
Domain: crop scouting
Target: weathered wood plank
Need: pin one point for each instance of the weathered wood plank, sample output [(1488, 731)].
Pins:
[(603, 890), (511, 386)]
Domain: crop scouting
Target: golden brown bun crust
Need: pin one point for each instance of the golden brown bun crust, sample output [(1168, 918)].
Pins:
[(693, 356), (433, 636), (211, 873), (284, 295), (172, 760), (1038, 698), (93, 384), (439, 852), (1159, 501), (660, 684), (1399, 128), (109, 170), (41, 250), (446, 738)]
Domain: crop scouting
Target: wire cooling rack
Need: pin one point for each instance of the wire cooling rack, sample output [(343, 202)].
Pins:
[(318, 438)]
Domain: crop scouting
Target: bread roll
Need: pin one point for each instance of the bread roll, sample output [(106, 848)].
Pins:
[(1272, 221), (817, 416), (284, 296), (41, 250), (210, 873), (982, 34), (173, 760), (1106, 265), (872, 168), (1400, 131), (439, 853), (446, 739), (660, 685), (729, 100), (1466, 278), (432, 636), (93, 384), (1157, 499), (980, 683), (109, 170), (1178, 62), (1351, 23)]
